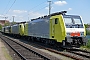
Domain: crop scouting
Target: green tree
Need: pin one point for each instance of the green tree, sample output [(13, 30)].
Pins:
[(0, 26), (87, 31), (13, 22), (86, 25), (7, 24)]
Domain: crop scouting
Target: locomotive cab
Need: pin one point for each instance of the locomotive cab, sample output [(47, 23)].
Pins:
[(67, 29), (75, 30)]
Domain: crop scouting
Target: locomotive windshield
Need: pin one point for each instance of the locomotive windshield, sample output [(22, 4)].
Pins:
[(72, 21)]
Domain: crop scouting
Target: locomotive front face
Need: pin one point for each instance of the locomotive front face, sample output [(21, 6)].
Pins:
[(74, 28)]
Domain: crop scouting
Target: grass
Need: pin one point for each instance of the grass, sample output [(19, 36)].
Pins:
[(87, 32), (87, 47), (6, 54), (88, 44)]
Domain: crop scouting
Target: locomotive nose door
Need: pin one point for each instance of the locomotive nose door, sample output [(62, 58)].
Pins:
[(57, 28), (53, 28)]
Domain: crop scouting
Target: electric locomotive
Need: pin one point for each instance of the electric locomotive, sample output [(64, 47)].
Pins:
[(57, 27), (17, 29), (6, 29), (75, 30)]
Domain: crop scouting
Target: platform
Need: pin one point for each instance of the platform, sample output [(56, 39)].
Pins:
[(4, 53)]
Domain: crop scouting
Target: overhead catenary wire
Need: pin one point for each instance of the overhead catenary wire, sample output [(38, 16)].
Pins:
[(43, 7), (6, 7), (11, 6), (35, 7), (39, 9), (30, 9), (49, 6)]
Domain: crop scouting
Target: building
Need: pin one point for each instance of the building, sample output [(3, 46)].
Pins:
[(2, 22)]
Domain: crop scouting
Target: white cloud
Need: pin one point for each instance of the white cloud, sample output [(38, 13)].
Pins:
[(19, 11), (2, 17), (69, 8), (47, 8), (22, 15), (35, 14), (60, 3)]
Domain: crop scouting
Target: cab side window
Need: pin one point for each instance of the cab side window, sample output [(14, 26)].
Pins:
[(56, 20), (20, 26)]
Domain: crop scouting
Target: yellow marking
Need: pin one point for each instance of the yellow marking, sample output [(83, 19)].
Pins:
[(57, 31), (21, 29), (26, 29)]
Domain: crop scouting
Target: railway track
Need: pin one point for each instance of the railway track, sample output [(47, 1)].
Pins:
[(68, 53), (71, 54), (23, 52), (80, 52)]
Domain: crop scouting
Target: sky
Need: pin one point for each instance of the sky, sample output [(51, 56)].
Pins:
[(24, 10)]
